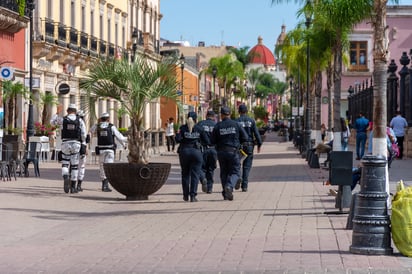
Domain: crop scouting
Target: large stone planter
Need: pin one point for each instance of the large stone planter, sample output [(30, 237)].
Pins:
[(135, 181)]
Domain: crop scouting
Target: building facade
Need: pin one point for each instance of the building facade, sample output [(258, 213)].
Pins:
[(68, 35)]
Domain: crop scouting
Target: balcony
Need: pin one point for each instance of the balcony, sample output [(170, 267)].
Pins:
[(61, 35), (102, 48), (84, 42), (10, 20), (73, 39)]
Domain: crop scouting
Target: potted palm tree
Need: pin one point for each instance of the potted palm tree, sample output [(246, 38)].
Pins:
[(134, 85)]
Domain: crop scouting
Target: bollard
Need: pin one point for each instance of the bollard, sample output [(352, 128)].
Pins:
[(371, 222)]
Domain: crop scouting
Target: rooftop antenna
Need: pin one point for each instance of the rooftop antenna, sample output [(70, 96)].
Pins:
[(222, 43)]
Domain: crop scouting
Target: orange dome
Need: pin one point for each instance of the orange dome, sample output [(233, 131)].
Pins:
[(260, 54)]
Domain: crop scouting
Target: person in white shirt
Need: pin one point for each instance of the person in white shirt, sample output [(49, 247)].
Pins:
[(398, 124), (170, 134), (73, 134), (106, 132)]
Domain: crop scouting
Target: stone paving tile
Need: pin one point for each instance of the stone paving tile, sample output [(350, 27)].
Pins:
[(279, 226)]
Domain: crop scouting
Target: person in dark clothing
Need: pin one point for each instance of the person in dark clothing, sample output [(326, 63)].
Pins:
[(209, 154), (249, 125), (361, 126), (190, 137), (227, 136)]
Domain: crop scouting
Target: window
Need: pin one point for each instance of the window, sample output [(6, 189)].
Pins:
[(358, 56)]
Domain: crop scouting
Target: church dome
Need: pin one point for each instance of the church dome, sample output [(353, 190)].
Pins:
[(260, 54)]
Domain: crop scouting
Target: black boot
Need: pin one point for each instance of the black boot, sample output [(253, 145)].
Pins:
[(73, 187), (66, 185), (79, 186), (105, 186)]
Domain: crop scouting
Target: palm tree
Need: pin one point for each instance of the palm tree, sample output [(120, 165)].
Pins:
[(44, 102), (133, 85), (11, 91), (228, 69), (241, 55)]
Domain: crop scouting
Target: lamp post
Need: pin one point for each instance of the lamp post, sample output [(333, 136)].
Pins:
[(214, 72), (293, 121), (308, 15), (30, 121), (134, 46), (182, 68)]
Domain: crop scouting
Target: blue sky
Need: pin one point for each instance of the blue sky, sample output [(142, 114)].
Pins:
[(235, 22)]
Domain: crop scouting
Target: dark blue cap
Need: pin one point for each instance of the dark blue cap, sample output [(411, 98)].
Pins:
[(243, 108), (210, 113), (225, 111), (192, 114)]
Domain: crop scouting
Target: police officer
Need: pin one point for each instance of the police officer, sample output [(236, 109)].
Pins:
[(209, 154), (73, 133), (82, 159), (227, 136), (190, 137), (106, 132), (249, 125)]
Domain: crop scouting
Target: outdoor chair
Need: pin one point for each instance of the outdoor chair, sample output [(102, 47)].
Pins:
[(31, 155)]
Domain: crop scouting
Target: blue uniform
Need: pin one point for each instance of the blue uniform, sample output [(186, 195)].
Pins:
[(227, 136), (209, 154), (190, 158), (249, 125)]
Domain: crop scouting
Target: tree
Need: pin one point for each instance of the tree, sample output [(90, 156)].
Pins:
[(11, 91), (228, 69), (133, 85), (45, 102)]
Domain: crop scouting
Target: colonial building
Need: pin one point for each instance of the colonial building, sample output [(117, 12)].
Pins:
[(68, 35)]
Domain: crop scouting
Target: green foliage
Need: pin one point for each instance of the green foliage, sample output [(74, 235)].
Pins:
[(22, 6), (123, 130), (260, 123), (260, 112), (133, 86)]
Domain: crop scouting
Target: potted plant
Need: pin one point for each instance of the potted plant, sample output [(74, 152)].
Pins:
[(134, 85)]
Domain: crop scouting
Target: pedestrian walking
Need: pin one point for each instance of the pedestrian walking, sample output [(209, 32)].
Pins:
[(399, 124), (253, 138), (190, 137), (323, 132), (209, 154), (345, 134), (361, 125), (170, 135), (227, 136), (73, 133), (83, 154), (106, 133)]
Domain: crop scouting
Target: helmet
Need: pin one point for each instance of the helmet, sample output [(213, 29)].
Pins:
[(105, 115), (72, 107), (80, 113)]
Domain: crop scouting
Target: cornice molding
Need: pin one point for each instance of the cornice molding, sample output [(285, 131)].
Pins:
[(11, 21)]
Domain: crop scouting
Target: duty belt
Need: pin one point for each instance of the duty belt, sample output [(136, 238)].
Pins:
[(227, 149)]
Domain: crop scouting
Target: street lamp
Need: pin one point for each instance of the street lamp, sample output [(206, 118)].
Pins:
[(134, 45), (30, 121), (182, 68), (214, 72), (308, 15)]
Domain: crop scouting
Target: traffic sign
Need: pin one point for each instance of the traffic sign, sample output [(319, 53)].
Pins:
[(6, 73), (63, 88)]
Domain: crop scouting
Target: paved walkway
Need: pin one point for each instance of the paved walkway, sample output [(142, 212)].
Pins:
[(279, 226)]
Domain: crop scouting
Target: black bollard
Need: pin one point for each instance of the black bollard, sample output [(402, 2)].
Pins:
[(371, 222)]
